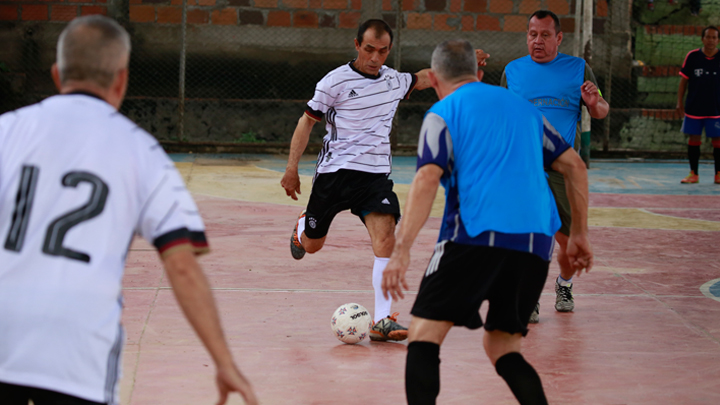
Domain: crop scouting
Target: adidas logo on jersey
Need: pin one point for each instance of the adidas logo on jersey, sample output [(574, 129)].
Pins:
[(385, 201), (352, 94)]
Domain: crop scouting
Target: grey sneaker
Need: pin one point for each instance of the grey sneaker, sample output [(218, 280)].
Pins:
[(535, 316), (388, 329), (296, 248), (564, 299)]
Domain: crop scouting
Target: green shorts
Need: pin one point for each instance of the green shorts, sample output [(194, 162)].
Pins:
[(557, 185)]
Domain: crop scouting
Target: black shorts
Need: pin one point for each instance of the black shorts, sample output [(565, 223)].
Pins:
[(359, 192), (11, 394), (557, 185), (460, 277)]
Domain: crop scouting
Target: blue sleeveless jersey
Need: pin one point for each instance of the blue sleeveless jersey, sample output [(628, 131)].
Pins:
[(553, 87), (494, 171)]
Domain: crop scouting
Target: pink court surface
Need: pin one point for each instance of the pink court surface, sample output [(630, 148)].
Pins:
[(645, 330)]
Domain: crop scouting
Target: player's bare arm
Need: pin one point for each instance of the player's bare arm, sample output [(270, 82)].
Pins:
[(423, 81), (417, 210), (682, 88), (192, 292), (291, 180), (573, 169), (597, 106)]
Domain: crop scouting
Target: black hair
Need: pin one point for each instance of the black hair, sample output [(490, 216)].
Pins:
[(711, 27), (540, 14), (379, 26)]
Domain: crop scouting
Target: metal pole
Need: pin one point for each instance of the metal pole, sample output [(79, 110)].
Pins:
[(587, 52), (608, 75), (181, 95), (398, 63), (578, 22)]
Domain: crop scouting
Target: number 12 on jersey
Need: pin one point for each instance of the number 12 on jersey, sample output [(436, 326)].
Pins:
[(58, 228)]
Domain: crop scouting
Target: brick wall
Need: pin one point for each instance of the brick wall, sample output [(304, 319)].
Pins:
[(50, 10), (435, 15)]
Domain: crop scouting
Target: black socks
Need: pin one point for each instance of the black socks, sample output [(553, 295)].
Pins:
[(422, 373), (694, 156), (522, 379)]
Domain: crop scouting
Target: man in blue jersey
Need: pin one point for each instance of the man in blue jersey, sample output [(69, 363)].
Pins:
[(487, 146), (558, 85), (700, 76)]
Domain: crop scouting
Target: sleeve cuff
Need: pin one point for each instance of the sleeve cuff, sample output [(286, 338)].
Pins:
[(181, 239), (314, 114), (684, 75), (412, 85)]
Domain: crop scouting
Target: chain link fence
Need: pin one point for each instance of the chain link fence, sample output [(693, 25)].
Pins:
[(239, 72)]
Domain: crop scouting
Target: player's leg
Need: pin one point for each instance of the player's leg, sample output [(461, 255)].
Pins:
[(692, 127), (326, 201), (378, 207), (503, 350), (712, 131), (512, 297), (564, 301), (422, 368), (381, 228)]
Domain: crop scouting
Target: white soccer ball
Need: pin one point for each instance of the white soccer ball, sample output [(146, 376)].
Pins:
[(351, 323)]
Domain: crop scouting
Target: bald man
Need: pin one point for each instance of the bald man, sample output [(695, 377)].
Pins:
[(77, 181)]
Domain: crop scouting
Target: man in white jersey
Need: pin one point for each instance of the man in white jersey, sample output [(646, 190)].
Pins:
[(77, 181), (358, 101)]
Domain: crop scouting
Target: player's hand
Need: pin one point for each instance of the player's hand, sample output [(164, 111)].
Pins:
[(229, 379), (590, 94), (579, 252), (291, 183), (480, 55), (680, 109), (393, 280)]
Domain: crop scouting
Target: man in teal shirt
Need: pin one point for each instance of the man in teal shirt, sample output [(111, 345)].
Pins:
[(558, 85)]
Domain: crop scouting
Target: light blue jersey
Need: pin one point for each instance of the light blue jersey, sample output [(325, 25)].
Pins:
[(493, 146), (553, 87)]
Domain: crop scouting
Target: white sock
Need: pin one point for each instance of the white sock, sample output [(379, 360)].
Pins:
[(301, 228), (382, 305), (563, 282)]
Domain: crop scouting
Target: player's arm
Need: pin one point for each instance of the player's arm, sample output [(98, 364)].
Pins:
[(574, 171), (595, 103), (435, 156), (423, 80), (417, 210), (192, 292), (682, 88), (560, 156), (291, 180)]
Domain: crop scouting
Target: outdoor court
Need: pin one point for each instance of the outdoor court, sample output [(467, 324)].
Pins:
[(646, 326)]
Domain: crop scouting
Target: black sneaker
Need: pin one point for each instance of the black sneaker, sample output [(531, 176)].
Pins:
[(564, 299), (535, 316), (296, 248), (388, 329)]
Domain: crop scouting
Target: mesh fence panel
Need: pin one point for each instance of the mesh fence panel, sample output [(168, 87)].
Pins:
[(241, 71)]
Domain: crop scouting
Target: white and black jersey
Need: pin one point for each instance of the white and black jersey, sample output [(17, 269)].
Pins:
[(359, 109), (77, 181)]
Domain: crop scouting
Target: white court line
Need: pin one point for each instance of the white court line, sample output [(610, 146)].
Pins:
[(705, 289), (308, 290)]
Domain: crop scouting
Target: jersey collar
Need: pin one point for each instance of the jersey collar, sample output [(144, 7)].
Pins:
[(367, 76), (85, 93)]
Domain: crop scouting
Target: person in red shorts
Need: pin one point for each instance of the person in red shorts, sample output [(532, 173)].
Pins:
[(700, 76)]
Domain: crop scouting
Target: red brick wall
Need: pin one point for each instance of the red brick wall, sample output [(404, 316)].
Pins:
[(437, 15), (52, 10)]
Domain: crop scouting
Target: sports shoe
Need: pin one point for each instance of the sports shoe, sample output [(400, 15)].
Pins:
[(296, 248), (717, 178), (564, 300), (535, 316), (692, 178), (388, 329)]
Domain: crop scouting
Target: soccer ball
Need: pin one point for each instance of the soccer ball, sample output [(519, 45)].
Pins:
[(351, 323)]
